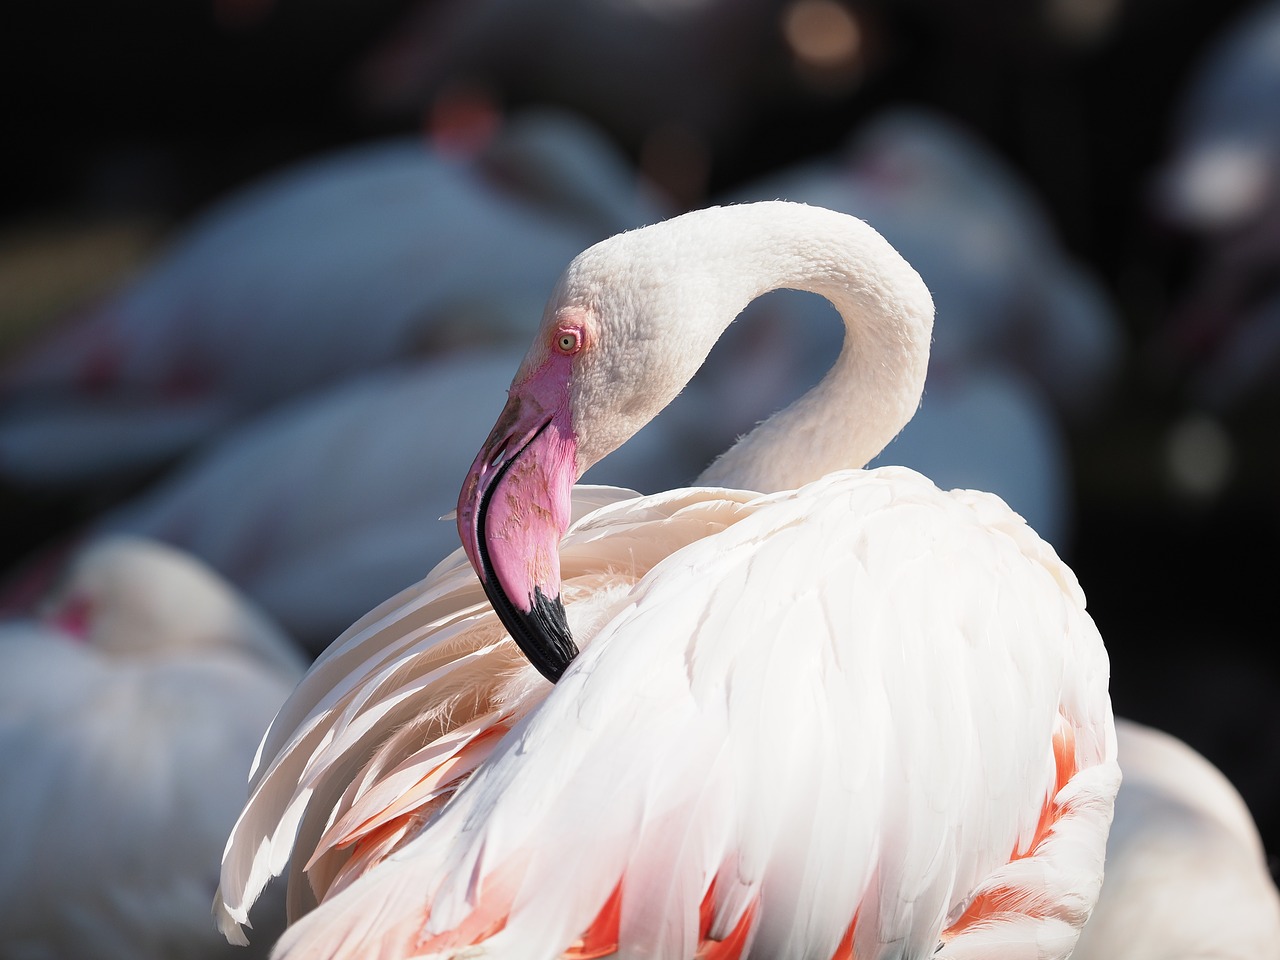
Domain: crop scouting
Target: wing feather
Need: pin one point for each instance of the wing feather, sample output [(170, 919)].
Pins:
[(796, 710)]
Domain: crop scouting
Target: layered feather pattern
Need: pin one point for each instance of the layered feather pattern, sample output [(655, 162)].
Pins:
[(744, 761)]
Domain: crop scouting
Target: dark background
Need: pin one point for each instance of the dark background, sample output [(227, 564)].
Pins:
[(121, 109)]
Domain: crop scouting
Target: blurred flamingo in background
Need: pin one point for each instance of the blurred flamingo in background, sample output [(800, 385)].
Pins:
[(336, 265), (1027, 342), (1187, 875), (737, 764), (322, 507), (1218, 187), (679, 83), (1223, 166), (133, 703)]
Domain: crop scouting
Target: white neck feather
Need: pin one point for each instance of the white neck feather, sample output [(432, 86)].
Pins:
[(873, 388), (670, 290)]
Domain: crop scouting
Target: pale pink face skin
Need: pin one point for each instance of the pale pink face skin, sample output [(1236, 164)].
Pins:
[(73, 617), (523, 475)]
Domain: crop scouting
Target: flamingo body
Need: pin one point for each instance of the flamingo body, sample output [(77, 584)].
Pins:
[(132, 710), (333, 266), (671, 724), (1226, 140), (1187, 874)]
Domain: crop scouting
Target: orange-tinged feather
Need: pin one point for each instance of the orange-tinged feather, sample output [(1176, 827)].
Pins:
[(735, 944), (1064, 753), (706, 910), (1002, 899), (739, 938), (844, 950), (445, 777), (601, 938), (490, 915), (384, 834)]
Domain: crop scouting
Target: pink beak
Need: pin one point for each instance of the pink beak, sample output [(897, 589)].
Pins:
[(513, 510)]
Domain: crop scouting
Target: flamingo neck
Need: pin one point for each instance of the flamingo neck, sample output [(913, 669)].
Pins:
[(875, 384)]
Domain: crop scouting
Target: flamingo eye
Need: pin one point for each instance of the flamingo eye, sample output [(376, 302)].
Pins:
[(568, 342)]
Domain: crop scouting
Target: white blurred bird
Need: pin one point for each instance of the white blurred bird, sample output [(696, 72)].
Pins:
[(334, 265), (1186, 875), (324, 506), (853, 717), (1219, 186), (1223, 167), (131, 708)]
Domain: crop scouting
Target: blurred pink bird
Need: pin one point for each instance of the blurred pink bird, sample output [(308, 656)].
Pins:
[(324, 506), (133, 704), (338, 264), (1219, 186), (1187, 875)]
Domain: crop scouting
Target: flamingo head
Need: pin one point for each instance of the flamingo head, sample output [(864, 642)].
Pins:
[(629, 323), (130, 597), (609, 355), (514, 505)]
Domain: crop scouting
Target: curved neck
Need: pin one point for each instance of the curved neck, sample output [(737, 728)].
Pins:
[(875, 384)]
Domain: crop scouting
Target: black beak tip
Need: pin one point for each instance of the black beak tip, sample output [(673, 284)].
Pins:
[(542, 633), (556, 648)]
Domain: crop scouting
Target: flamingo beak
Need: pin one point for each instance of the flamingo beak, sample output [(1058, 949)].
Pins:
[(513, 510)]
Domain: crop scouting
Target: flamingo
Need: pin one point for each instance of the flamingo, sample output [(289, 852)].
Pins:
[(335, 265), (817, 711), (1187, 873), (321, 507), (133, 702), (1219, 187), (1221, 171)]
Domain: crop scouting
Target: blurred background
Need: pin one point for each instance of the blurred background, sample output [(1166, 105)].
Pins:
[(266, 267)]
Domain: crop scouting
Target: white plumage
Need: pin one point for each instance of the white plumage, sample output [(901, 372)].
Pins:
[(856, 716), (320, 508), (1220, 186), (1225, 151), (1187, 875), (327, 268), (129, 713)]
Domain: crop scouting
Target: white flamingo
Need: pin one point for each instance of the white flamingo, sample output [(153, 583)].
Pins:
[(857, 716), (1187, 874), (1225, 154), (337, 264), (1220, 186), (132, 707), (320, 508)]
